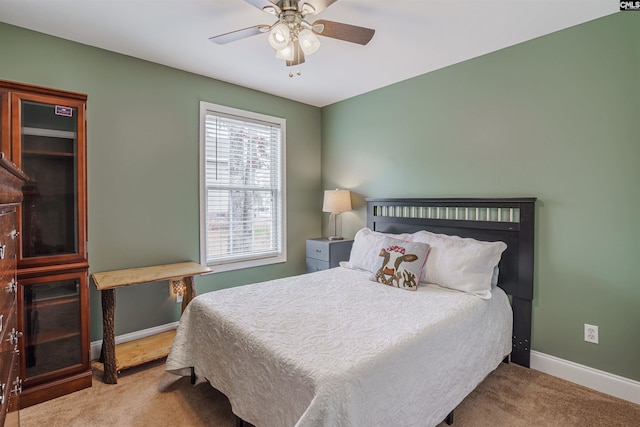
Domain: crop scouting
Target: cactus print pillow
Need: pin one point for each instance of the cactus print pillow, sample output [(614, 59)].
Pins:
[(400, 263)]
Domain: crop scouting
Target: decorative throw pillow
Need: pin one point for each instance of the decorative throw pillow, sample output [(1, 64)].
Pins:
[(400, 263)]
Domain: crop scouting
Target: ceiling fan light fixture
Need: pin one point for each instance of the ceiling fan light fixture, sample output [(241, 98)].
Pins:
[(291, 35), (279, 36), (286, 53), (298, 54), (309, 42)]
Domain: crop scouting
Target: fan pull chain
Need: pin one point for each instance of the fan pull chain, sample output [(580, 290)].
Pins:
[(297, 72)]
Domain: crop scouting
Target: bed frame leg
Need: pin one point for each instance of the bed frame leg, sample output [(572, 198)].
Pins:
[(193, 375), (449, 419)]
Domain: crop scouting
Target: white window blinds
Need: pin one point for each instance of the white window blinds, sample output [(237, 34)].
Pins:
[(243, 176)]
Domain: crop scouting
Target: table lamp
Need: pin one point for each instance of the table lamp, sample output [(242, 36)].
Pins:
[(336, 201)]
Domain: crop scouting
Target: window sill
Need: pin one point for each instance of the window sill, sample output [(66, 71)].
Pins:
[(240, 265)]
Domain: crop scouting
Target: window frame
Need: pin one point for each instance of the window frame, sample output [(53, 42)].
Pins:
[(207, 108)]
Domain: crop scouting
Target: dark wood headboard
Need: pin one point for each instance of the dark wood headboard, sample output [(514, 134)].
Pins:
[(507, 220)]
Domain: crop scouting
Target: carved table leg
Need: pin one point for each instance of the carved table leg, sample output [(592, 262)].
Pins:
[(190, 291), (108, 336)]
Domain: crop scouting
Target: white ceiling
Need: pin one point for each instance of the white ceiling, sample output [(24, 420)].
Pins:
[(412, 37)]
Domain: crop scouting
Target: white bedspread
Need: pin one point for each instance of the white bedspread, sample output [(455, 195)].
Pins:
[(334, 349)]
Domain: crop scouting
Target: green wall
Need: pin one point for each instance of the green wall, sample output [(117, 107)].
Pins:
[(142, 123), (555, 118)]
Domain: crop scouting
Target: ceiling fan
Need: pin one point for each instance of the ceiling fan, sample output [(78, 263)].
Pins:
[(291, 35)]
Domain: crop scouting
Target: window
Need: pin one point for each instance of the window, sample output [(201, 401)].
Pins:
[(242, 195)]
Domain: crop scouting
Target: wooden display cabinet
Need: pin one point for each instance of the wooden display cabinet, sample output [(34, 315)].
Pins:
[(44, 131)]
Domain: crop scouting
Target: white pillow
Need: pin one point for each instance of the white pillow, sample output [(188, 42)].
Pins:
[(458, 263), (494, 277), (366, 248)]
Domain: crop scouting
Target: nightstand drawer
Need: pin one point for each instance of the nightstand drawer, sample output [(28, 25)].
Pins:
[(318, 249), (324, 253), (316, 265)]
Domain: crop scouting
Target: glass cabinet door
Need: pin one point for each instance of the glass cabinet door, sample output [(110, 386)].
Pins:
[(51, 143), (53, 325)]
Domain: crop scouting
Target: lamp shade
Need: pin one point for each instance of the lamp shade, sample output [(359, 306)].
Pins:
[(336, 201)]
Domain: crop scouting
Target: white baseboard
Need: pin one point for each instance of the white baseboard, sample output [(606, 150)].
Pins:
[(604, 382), (96, 346)]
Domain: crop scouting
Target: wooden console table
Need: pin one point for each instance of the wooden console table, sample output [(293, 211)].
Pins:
[(135, 352)]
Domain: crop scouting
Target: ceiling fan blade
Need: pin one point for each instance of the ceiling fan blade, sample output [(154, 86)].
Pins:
[(239, 34), (298, 55), (266, 5), (318, 5), (346, 32)]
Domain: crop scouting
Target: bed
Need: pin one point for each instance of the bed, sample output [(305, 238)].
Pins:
[(333, 348)]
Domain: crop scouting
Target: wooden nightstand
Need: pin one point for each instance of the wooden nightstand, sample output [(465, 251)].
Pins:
[(324, 253)]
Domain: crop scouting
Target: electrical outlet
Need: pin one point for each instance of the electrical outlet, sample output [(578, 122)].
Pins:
[(591, 333)]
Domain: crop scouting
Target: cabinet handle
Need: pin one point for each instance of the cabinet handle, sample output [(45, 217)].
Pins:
[(17, 389), (2, 387), (14, 234), (12, 287), (14, 335), (2, 248)]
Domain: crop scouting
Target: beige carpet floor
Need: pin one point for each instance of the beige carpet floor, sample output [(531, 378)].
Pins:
[(148, 396)]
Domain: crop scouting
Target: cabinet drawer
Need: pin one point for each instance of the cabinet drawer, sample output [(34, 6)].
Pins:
[(316, 265), (7, 242), (7, 293), (324, 253), (318, 250), (12, 418), (9, 306), (7, 350)]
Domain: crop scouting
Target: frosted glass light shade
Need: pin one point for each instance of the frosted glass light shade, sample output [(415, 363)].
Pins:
[(308, 41), (286, 53), (279, 36)]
